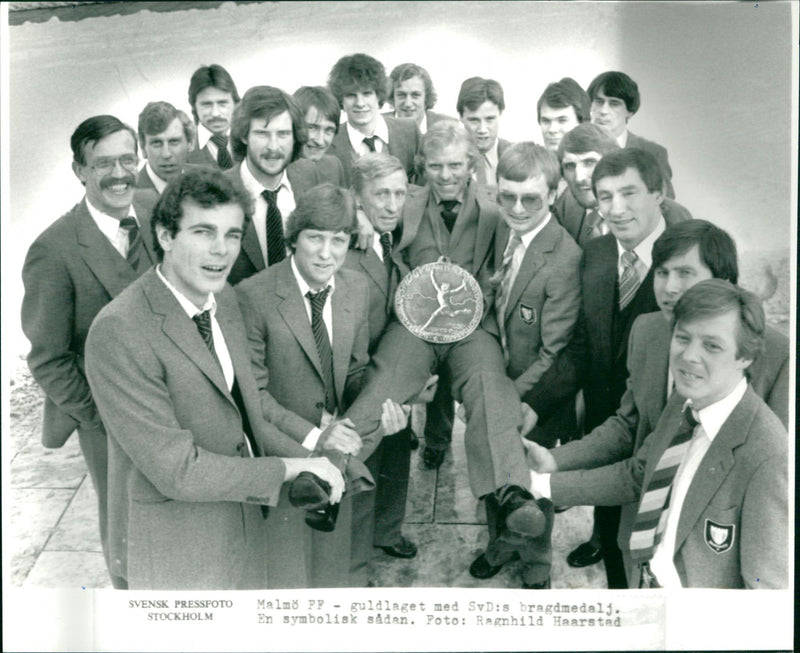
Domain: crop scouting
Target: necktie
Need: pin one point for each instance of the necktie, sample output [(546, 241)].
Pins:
[(224, 160), (386, 247), (651, 517), (203, 322), (481, 168), (449, 213), (323, 345), (628, 280), (370, 143), (276, 245), (130, 225), (504, 279)]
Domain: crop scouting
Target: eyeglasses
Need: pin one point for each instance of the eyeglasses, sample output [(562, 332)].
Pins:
[(105, 165), (530, 203)]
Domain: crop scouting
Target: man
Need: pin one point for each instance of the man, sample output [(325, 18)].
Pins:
[(615, 98), (576, 210), (73, 269), (683, 255), (533, 311), (617, 278), (711, 484), (453, 217), (168, 364), (320, 112), (213, 97), (563, 106), (359, 84), (480, 104), (267, 137), (412, 95), (165, 136)]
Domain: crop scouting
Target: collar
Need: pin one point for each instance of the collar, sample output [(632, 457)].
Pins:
[(712, 417), (460, 198), (158, 182), (254, 187), (644, 250), (185, 302), (528, 237), (109, 225), (491, 154), (622, 139), (204, 135), (304, 287), (356, 137)]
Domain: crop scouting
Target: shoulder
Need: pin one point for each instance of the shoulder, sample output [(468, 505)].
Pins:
[(433, 117), (404, 126), (261, 282), (352, 279), (63, 229), (563, 243), (776, 345), (603, 249), (674, 212), (641, 143)]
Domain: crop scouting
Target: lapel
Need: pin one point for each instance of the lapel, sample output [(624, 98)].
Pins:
[(718, 458), (534, 259), (143, 204), (413, 212), (250, 245), (487, 223), (374, 268), (342, 148), (144, 182), (343, 334), (112, 271), (179, 328)]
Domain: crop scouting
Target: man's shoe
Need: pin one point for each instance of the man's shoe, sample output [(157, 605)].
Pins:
[(586, 554), (433, 458), (481, 568), (402, 549), (544, 585), (519, 512), (323, 519), (309, 491)]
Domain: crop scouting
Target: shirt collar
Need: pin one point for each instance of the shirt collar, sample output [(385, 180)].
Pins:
[(644, 250), (304, 287), (203, 136), (622, 139), (109, 225), (712, 417), (357, 138), (491, 154), (185, 302), (158, 182), (528, 237), (255, 187), (423, 126)]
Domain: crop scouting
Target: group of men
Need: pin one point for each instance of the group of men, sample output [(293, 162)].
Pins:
[(218, 325)]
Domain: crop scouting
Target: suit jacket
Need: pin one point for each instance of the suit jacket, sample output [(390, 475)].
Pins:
[(183, 490), (202, 157), (303, 174), (404, 140), (660, 155), (740, 486), (144, 181), (431, 117), (502, 146), (71, 271)]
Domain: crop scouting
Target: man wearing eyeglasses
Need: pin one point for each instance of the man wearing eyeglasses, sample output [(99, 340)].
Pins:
[(72, 270), (537, 294)]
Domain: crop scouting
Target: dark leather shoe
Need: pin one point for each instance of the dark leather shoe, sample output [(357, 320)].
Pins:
[(308, 491), (413, 440), (402, 549), (520, 513), (586, 554), (480, 568), (544, 585), (433, 458), (559, 509), (323, 519)]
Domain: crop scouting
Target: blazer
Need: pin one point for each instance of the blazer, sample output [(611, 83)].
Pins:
[(183, 489), (404, 138), (660, 155), (202, 156), (144, 181), (431, 117), (740, 488), (72, 271), (303, 174)]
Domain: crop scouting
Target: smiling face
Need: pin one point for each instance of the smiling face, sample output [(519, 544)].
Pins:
[(555, 123), (382, 200), (319, 254), (361, 106), (214, 108), (320, 134), (448, 170), (483, 123), (703, 358), (270, 144), (610, 112), (112, 192), (166, 152), (524, 204), (630, 209), (409, 99), (577, 170), (676, 276), (198, 258)]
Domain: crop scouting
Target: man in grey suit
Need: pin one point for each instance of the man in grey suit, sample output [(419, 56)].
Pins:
[(213, 97), (165, 136), (191, 461), (73, 269), (412, 95)]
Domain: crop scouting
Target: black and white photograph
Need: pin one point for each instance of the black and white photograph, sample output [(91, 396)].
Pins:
[(399, 325)]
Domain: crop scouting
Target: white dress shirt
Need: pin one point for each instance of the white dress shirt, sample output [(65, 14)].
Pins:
[(519, 254), (285, 201), (357, 138), (204, 138), (109, 225), (158, 182), (644, 252)]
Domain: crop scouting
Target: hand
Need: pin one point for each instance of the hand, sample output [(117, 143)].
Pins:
[(425, 395), (539, 459), (340, 435), (365, 230), (529, 419), (321, 467), (394, 417)]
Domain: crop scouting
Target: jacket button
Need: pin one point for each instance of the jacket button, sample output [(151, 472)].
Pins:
[(320, 405)]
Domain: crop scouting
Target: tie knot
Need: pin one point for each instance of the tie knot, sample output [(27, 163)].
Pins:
[(203, 320), (449, 205), (317, 299), (128, 223), (271, 196), (386, 240), (369, 141), (688, 416), (629, 258), (220, 140)]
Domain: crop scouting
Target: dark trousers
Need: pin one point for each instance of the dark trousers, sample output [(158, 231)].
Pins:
[(606, 525), (439, 415)]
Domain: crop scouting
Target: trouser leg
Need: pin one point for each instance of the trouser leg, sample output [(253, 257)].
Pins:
[(439, 415)]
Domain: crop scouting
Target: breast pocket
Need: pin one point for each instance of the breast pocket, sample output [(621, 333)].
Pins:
[(720, 528)]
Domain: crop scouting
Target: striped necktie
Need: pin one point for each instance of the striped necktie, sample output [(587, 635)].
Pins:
[(504, 279), (651, 518), (628, 281), (369, 141), (130, 225), (276, 245), (317, 300), (224, 160), (385, 240)]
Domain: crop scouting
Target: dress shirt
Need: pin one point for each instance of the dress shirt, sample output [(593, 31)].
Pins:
[(158, 182), (285, 201), (109, 225), (622, 139), (519, 254), (376, 244), (711, 418), (204, 138), (490, 158), (644, 252), (357, 138)]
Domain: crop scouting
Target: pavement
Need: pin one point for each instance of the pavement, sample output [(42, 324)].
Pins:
[(53, 539)]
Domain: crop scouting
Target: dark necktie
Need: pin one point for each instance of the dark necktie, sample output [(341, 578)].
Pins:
[(651, 516), (203, 322), (323, 345), (370, 143), (130, 225), (224, 160), (628, 280), (276, 245), (449, 213), (386, 247)]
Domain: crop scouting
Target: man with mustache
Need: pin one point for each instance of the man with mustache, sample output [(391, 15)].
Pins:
[(213, 97), (72, 270)]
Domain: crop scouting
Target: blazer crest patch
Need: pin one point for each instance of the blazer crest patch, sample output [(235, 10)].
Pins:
[(527, 314), (719, 537)]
